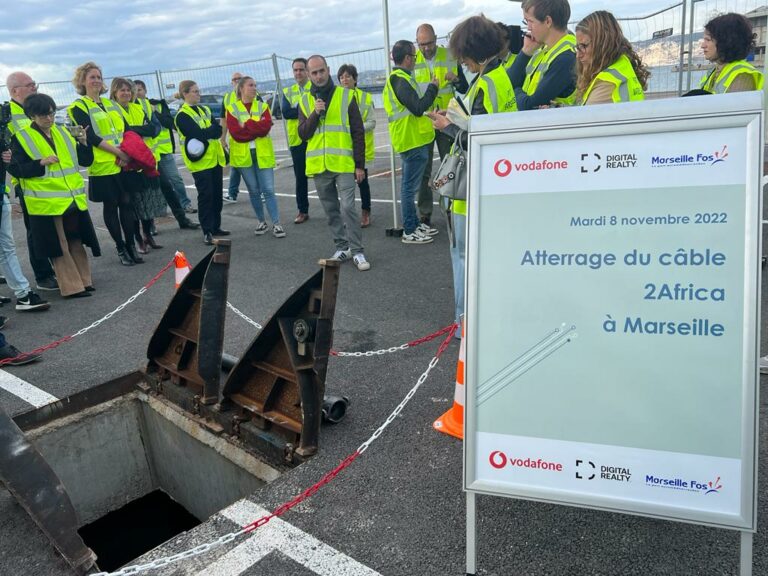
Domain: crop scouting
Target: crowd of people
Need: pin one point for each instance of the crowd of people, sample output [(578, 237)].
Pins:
[(127, 141)]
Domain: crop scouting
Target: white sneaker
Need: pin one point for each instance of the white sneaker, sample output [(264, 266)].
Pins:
[(427, 230), (277, 231), (416, 237), (261, 229), (764, 365), (341, 255), (361, 263)]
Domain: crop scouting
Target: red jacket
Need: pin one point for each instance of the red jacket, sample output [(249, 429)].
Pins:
[(252, 129), (141, 155)]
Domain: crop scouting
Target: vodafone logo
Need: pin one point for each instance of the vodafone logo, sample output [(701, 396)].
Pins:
[(499, 460), (503, 168)]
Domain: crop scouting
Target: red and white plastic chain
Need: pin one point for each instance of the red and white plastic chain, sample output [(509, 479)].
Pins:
[(60, 341), (283, 508)]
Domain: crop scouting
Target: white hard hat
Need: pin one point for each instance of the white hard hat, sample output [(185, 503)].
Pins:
[(195, 148)]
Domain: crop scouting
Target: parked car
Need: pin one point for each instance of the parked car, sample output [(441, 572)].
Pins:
[(273, 101), (215, 102), (61, 117)]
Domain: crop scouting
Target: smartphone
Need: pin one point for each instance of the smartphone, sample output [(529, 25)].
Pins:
[(76, 131)]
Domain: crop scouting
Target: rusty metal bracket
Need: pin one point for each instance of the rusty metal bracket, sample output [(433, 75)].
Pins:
[(278, 384), (38, 489), (187, 345)]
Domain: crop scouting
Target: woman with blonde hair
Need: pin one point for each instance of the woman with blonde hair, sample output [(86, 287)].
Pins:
[(104, 127), (147, 198), (607, 67), (203, 155)]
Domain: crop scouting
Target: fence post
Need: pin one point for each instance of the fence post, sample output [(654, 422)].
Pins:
[(681, 65), (278, 98), (690, 44), (160, 85)]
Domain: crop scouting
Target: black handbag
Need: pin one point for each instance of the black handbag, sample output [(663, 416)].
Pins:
[(451, 179)]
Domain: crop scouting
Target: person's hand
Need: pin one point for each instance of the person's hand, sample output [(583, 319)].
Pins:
[(6, 156), (82, 138), (530, 45), (439, 120), (320, 107), (48, 160), (435, 81), (359, 175), (123, 157), (450, 76)]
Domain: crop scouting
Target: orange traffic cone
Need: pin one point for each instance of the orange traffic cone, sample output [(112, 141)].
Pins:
[(452, 422), (182, 267)]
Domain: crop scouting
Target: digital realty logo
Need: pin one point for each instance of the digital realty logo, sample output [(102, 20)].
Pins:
[(711, 487), (588, 470), (699, 159)]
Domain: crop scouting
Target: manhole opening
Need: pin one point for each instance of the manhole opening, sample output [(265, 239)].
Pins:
[(135, 529), (139, 472)]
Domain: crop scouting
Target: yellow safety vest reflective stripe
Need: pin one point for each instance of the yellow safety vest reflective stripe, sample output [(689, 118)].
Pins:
[(240, 152), (135, 116), (293, 94), (439, 66), (229, 99), (330, 148), (62, 184), (720, 83), (163, 140), (406, 131), (498, 94), (365, 103), (508, 61), (540, 63), (107, 124), (626, 86), (214, 155), (19, 121)]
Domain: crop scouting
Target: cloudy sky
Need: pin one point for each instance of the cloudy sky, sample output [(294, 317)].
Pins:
[(49, 38)]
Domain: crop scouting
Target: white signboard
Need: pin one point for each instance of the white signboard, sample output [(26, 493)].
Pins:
[(613, 272)]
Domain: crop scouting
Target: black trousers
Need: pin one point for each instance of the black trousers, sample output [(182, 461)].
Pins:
[(299, 156), (40, 266), (210, 186), (365, 193)]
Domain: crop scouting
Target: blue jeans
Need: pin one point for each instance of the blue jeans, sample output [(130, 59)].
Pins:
[(169, 176), (414, 162), (260, 182), (234, 184), (9, 262), (458, 262)]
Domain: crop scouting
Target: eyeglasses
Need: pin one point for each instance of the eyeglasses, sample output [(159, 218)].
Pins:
[(237, 79), (426, 44), (582, 46), (30, 85)]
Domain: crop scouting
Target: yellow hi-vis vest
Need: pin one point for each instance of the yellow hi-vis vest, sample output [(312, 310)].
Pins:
[(108, 125), (626, 86), (19, 121), (508, 61), (62, 184), (406, 131), (330, 148), (163, 140), (719, 84), (135, 116), (214, 155), (152, 143), (229, 99), (540, 62), (365, 103), (293, 94), (439, 66), (498, 94), (240, 152)]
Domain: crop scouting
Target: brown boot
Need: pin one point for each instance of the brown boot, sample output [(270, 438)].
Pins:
[(365, 219), (150, 241)]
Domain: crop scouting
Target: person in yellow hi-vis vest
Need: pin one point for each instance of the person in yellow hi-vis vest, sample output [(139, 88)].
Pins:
[(203, 155), (289, 107), (104, 128), (435, 62), (608, 71), (330, 124), (347, 76), (20, 85), (477, 41), (728, 40), (543, 74), (46, 161)]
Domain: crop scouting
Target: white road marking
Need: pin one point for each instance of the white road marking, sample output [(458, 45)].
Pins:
[(24, 390), (281, 536)]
